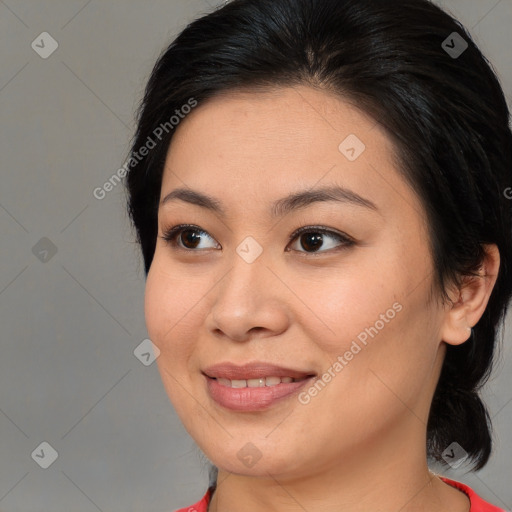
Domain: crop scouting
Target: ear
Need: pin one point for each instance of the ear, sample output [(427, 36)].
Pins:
[(470, 300)]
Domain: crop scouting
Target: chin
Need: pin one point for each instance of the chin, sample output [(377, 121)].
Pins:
[(244, 458)]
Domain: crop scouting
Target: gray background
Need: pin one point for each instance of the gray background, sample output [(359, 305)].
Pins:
[(70, 321)]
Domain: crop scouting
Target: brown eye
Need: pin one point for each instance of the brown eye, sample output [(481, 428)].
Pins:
[(190, 238), (187, 237), (313, 239)]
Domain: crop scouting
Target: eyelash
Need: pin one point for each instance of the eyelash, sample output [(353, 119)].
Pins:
[(171, 234)]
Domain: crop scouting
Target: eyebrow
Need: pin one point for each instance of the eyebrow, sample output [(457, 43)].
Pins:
[(280, 207)]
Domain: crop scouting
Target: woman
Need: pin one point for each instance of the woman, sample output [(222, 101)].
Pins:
[(319, 191)]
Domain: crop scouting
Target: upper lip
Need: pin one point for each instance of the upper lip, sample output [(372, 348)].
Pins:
[(253, 370)]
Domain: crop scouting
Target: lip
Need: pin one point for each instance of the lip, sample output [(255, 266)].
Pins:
[(253, 399), (254, 370)]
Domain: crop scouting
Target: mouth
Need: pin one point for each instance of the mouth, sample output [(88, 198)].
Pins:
[(253, 373), (253, 386), (257, 382)]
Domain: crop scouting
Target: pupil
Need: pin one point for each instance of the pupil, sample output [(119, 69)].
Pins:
[(193, 238), (313, 239)]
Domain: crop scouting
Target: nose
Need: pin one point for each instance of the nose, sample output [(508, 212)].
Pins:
[(249, 301)]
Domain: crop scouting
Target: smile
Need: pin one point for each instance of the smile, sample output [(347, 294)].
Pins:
[(256, 383), (246, 395)]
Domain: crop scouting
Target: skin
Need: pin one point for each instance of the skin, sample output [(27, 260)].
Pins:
[(359, 444)]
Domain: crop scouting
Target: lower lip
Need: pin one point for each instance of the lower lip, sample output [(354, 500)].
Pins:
[(252, 399)]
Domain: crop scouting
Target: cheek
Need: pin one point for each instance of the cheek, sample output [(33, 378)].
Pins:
[(171, 307), (346, 303), (388, 358), (155, 312), (369, 315), (172, 304)]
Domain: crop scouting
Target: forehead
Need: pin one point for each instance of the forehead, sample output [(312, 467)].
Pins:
[(254, 147), (299, 120)]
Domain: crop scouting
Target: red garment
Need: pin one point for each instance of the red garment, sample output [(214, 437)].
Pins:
[(477, 503), (200, 506)]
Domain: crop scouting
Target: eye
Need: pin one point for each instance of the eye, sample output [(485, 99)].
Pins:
[(188, 235), (312, 238)]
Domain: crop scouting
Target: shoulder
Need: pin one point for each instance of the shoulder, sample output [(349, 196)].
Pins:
[(201, 505), (477, 503)]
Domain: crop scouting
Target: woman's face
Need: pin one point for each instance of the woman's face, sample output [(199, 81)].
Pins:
[(352, 311)]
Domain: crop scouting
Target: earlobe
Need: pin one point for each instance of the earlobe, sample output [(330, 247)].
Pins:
[(473, 297)]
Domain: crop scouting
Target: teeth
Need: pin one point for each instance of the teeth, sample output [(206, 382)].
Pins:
[(273, 381), (256, 383)]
